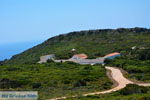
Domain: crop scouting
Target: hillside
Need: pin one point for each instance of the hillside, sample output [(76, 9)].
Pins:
[(51, 79), (94, 43)]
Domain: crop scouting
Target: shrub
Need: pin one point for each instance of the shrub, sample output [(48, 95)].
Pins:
[(6, 83), (36, 85), (50, 61), (108, 61), (80, 83), (133, 89)]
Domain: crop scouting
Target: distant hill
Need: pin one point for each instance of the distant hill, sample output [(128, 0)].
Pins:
[(94, 43)]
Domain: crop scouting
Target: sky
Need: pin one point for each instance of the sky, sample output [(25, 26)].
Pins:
[(36, 20)]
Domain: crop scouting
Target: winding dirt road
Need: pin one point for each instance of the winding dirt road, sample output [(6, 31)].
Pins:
[(118, 77)]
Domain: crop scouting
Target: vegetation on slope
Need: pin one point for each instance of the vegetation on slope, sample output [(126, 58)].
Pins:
[(54, 79), (51, 79), (137, 69), (94, 43)]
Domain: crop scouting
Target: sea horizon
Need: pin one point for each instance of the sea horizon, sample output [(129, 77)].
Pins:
[(10, 49)]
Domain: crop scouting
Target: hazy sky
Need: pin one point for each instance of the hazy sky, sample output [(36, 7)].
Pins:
[(29, 20)]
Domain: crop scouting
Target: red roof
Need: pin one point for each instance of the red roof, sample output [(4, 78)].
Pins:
[(113, 54), (84, 56)]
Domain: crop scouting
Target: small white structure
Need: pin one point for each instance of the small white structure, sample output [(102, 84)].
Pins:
[(133, 48), (43, 59), (73, 50)]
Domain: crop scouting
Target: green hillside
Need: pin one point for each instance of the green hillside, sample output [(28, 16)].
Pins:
[(54, 79), (94, 43), (22, 72)]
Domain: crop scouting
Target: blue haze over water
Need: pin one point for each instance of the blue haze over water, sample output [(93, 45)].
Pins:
[(8, 50)]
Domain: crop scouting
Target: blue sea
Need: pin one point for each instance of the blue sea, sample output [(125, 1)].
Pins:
[(8, 50)]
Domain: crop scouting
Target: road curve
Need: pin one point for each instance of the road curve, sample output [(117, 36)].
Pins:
[(118, 77)]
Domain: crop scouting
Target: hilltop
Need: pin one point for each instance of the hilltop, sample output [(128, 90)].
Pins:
[(94, 43)]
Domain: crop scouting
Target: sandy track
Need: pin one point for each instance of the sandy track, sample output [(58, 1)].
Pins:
[(118, 77)]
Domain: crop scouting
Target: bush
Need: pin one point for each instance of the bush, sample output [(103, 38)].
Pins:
[(108, 61), (66, 81), (144, 55), (50, 61), (13, 68), (6, 83), (36, 85), (133, 89), (80, 83)]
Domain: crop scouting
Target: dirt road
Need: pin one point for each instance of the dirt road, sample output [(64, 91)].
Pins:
[(118, 77)]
